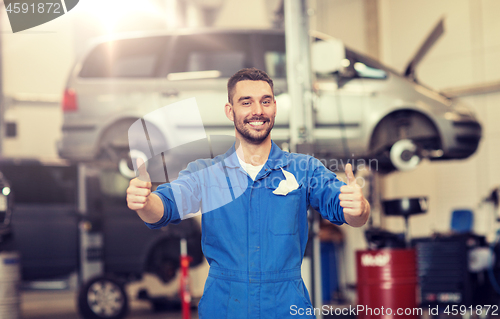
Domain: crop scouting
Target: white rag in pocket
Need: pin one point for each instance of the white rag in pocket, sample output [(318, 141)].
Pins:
[(287, 185)]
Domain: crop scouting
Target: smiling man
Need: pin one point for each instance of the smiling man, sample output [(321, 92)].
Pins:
[(254, 242)]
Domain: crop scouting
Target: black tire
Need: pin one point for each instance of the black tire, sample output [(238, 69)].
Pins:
[(103, 298), (163, 258)]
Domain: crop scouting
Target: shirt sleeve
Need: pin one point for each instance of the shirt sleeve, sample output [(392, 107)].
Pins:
[(180, 197), (324, 191)]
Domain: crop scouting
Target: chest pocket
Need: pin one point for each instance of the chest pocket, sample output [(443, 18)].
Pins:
[(283, 211)]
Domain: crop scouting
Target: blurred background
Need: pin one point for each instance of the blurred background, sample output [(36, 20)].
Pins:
[(69, 222)]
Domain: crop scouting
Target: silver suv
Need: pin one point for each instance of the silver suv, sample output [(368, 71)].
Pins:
[(363, 110)]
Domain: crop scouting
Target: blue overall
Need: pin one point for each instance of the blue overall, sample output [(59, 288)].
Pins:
[(253, 239)]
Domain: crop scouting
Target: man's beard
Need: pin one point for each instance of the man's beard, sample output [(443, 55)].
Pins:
[(253, 137)]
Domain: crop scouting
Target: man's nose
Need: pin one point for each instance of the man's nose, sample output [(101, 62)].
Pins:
[(257, 109)]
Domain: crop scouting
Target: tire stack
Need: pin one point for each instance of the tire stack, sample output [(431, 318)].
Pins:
[(9, 285)]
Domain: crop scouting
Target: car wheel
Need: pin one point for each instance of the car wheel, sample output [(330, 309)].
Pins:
[(122, 143), (103, 298), (126, 166), (404, 155)]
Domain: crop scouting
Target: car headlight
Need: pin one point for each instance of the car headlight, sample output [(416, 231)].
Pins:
[(452, 116), (6, 191)]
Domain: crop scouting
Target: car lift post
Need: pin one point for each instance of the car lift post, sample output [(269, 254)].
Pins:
[(299, 80), (91, 239)]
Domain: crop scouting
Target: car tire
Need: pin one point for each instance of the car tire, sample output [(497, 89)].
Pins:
[(103, 298), (404, 155)]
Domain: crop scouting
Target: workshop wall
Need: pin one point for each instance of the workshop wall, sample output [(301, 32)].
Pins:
[(35, 68), (342, 19)]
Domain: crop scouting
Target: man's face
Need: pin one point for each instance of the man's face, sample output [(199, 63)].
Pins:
[(253, 110)]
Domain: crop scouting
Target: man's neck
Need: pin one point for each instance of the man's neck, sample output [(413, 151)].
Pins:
[(255, 154)]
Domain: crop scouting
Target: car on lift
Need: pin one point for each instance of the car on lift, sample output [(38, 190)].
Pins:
[(363, 109)]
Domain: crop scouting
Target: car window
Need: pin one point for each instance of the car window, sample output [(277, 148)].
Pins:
[(273, 46), (366, 71), (225, 62), (275, 64), (128, 58), (224, 53), (366, 67)]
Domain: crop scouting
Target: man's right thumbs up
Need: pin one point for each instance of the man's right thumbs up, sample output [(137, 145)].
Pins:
[(141, 169), (139, 188)]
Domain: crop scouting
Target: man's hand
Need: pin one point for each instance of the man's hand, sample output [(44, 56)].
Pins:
[(139, 188), (356, 207), (148, 206)]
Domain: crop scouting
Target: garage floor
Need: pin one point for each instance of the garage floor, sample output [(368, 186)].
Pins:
[(62, 305)]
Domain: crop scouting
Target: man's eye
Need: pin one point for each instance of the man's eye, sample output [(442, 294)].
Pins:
[(266, 102), (246, 103)]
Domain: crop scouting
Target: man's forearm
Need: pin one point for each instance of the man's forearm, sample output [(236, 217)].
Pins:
[(153, 211)]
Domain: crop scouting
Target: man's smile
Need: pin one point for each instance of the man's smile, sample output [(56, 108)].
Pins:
[(257, 124)]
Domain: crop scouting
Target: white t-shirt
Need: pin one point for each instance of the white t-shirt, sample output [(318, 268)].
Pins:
[(250, 169)]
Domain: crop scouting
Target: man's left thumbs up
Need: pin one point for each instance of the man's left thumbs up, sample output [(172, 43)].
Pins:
[(355, 206), (350, 175)]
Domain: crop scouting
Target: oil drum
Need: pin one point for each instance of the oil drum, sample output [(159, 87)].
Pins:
[(387, 284)]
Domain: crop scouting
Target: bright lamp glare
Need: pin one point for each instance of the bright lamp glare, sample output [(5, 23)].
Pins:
[(112, 12), (345, 63), (6, 191)]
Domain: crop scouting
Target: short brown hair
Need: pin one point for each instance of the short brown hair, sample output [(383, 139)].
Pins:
[(249, 74)]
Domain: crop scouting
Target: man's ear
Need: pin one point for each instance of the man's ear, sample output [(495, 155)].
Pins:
[(228, 109)]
